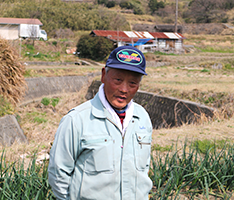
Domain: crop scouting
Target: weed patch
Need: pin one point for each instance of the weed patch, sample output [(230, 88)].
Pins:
[(192, 173), (6, 108), (53, 101), (18, 183)]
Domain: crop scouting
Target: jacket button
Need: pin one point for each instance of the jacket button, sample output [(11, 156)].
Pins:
[(105, 140), (139, 137)]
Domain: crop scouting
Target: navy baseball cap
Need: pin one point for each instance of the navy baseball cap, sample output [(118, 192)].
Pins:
[(128, 58)]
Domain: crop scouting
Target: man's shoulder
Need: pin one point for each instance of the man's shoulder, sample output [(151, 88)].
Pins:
[(139, 107), (85, 107), (80, 108), (140, 110)]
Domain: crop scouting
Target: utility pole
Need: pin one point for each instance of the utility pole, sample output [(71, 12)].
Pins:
[(176, 15)]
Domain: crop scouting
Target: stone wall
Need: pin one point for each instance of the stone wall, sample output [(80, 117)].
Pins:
[(164, 111)]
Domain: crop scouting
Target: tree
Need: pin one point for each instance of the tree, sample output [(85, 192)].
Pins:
[(154, 5), (207, 11), (96, 48)]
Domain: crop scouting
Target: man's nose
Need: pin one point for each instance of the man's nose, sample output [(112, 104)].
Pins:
[(123, 87)]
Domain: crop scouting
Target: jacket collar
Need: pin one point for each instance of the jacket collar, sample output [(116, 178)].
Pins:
[(99, 111)]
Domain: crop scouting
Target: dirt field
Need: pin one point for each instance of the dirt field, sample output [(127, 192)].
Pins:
[(190, 76)]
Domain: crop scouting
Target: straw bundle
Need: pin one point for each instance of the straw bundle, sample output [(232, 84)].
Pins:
[(12, 82)]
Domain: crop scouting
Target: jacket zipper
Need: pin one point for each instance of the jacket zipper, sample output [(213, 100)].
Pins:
[(121, 155)]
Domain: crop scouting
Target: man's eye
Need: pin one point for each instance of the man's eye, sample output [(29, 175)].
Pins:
[(133, 83)]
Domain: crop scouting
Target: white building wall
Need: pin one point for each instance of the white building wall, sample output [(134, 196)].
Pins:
[(178, 44), (161, 44), (9, 32)]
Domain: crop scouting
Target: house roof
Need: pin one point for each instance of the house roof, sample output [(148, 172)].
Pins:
[(17, 21), (127, 36)]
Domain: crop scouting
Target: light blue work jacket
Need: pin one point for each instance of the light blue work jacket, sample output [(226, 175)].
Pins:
[(90, 160)]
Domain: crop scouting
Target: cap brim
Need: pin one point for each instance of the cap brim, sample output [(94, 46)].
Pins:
[(126, 67)]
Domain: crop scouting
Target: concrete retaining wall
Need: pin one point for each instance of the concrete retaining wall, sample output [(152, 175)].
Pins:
[(164, 111), (46, 86)]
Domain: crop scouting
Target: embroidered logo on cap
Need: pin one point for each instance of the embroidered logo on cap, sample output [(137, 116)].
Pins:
[(129, 56)]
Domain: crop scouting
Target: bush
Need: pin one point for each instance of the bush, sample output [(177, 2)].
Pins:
[(103, 2), (111, 4), (138, 10), (53, 101), (96, 48), (126, 4), (45, 101)]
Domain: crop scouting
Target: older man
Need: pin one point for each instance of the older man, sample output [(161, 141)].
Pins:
[(102, 147)]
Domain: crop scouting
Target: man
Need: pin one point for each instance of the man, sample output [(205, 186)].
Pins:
[(102, 147)]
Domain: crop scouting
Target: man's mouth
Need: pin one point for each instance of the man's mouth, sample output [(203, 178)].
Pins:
[(121, 97)]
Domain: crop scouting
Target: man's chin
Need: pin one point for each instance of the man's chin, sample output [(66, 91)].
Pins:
[(119, 107)]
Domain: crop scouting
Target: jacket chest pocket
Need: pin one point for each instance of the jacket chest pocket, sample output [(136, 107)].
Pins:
[(142, 149), (98, 152)]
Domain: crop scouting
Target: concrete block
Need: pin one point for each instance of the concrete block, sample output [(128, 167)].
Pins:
[(10, 131)]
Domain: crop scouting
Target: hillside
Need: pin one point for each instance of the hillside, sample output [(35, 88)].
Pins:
[(63, 20)]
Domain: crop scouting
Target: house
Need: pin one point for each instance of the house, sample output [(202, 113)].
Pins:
[(10, 27), (157, 28), (145, 41)]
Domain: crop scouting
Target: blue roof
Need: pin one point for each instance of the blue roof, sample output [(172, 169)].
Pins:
[(140, 42)]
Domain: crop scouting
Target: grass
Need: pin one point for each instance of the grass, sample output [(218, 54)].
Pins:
[(37, 117), (6, 108), (53, 101), (192, 173), (215, 50), (203, 145), (18, 183)]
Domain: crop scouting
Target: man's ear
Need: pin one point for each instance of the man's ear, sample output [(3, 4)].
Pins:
[(103, 74)]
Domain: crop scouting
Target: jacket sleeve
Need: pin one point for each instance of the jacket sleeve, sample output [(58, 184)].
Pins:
[(62, 158)]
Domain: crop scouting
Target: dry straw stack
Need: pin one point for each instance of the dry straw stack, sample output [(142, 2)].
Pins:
[(12, 82)]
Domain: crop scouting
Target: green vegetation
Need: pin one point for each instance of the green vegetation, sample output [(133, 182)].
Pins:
[(37, 117), (18, 183), (204, 145), (96, 48), (155, 5), (192, 173), (60, 18), (157, 147), (216, 50), (56, 14), (53, 101), (205, 70), (162, 53), (45, 101), (39, 120), (6, 108)]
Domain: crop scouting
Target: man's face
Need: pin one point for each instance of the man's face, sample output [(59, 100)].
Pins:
[(120, 86)]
